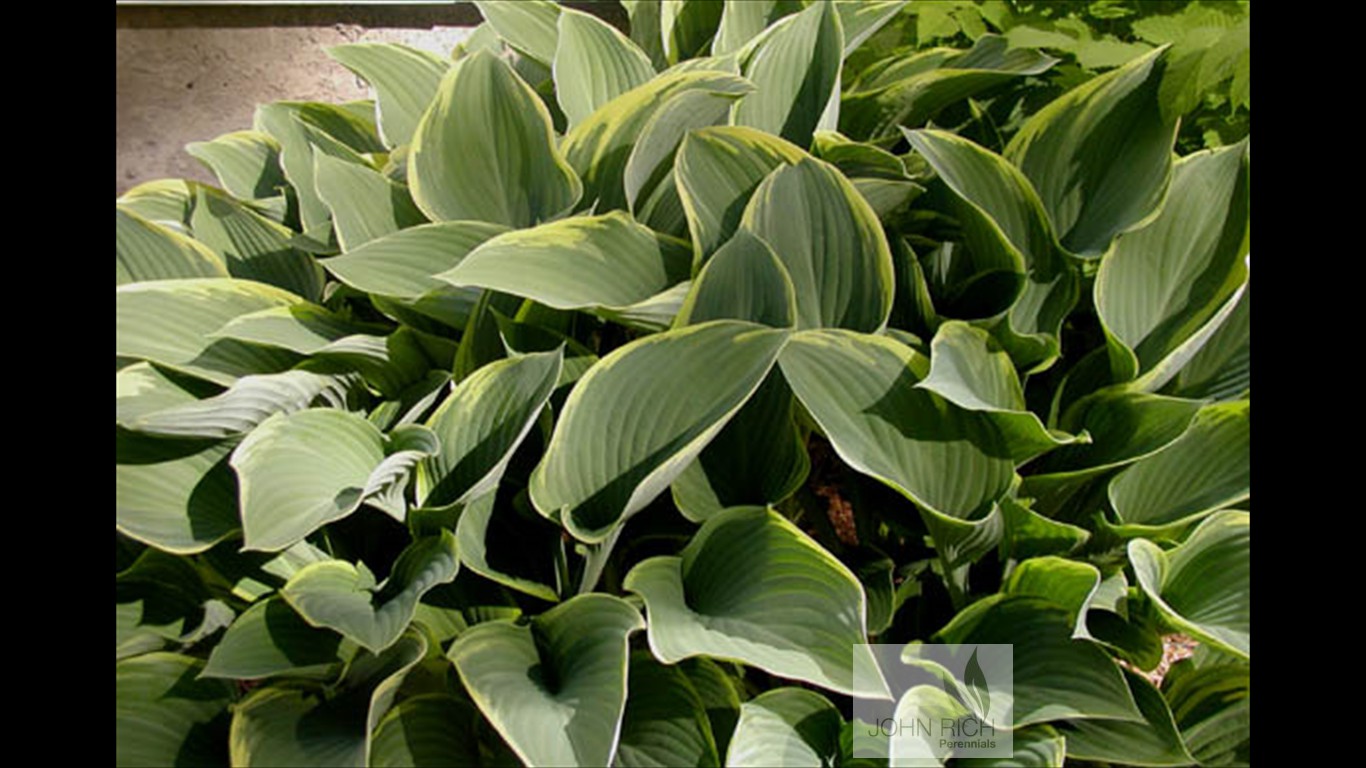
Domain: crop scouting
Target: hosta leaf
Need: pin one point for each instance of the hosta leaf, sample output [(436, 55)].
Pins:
[(427, 731), (1006, 231), (908, 93), (758, 458), (480, 342), (786, 727), (176, 495), (161, 200), (1210, 704), (687, 26), (1223, 739), (555, 689), (390, 363), (1030, 534), (481, 423), (349, 124), (751, 586), (876, 572), (252, 246), (304, 726), (1124, 427), (248, 402), (717, 691), (796, 67), (744, 280), (665, 723), (857, 159), (253, 575), (288, 122), (1153, 742), (303, 328), (639, 416), (594, 262), (644, 24), (860, 19), (290, 489), (717, 170), (1208, 468), (270, 639), (1201, 586), (536, 332), (1220, 370), (1038, 746), (166, 716), (365, 205), (1165, 282), (405, 80), (148, 251), (403, 264), (831, 243), (953, 463), (515, 549), (594, 63), (600, 146), (247, 163), (1066, 583), (1100, 155), (728, 63), (409, 445), (143, 388), (527, 25), (170, 321), (485, 150), (648, 177), (1055, 676), (886, 197), (161, 598), (743, 20), (914, 746), (338, 595), (970, 370)]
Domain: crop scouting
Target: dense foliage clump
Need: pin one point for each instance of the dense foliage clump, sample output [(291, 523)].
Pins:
[(591, 399)]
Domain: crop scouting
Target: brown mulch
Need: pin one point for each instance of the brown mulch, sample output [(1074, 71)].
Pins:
[(1175, 647)]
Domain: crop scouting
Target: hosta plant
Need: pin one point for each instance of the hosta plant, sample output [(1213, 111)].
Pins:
[(591, 398)]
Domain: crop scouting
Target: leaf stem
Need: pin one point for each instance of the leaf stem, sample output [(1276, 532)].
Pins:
[(596, 560)]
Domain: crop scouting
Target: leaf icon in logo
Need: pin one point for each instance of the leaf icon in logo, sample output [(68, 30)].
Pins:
[(976, 682)]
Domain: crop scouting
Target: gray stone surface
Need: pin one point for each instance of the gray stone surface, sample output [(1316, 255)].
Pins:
[(177, 85)]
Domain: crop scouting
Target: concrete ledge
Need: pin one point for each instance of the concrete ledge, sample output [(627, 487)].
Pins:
[(188, 74)]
